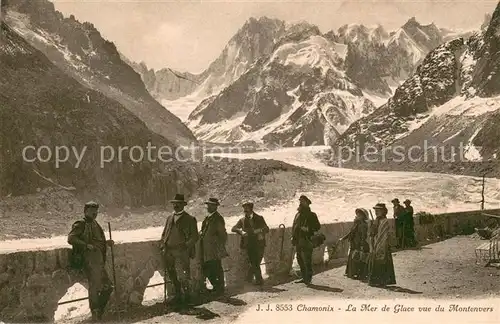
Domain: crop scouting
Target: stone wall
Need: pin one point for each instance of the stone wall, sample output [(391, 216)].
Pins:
[(32, 283)]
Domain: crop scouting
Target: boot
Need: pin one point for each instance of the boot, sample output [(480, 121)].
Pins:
[(96, 316)]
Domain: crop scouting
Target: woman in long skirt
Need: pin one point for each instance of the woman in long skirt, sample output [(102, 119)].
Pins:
[(380, 263), (358, 246)]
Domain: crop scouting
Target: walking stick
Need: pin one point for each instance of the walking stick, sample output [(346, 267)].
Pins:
[(113, 261), (164, 282), (370, 241)]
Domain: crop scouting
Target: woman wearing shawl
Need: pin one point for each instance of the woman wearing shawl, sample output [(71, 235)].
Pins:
[(380, 264), (359, 248)]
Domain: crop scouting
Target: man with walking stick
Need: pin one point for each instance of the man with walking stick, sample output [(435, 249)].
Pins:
[(89, 246)]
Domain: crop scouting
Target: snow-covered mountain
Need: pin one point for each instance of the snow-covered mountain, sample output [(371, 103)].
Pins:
[(452, 100), (261, 103), (79, 50), (358, 33), (255, 39), (298, 95), (378, 61)]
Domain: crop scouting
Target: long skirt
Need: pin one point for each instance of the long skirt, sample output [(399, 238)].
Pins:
[(381, 271), (356, 265)]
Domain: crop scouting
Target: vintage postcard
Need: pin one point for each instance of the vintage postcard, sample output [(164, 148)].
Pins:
[(250, 162)]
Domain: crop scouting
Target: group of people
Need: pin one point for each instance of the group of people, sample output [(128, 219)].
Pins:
[(370, 253), (180, 235), (405, 227), (369, 257), (177, 244)]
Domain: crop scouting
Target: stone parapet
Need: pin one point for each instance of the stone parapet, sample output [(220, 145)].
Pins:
[(33, 282)]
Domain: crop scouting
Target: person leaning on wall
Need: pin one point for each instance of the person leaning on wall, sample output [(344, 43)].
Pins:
[(253, 229), (89, 254)]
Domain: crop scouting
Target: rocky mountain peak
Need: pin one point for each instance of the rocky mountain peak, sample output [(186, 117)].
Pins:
[(256, 28), (429, 35), (486, 21), (450, 100), (486, 77), (297, 32), (411, 23), (360, 33)]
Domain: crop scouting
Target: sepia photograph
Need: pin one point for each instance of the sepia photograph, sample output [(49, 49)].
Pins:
[(216, 162)]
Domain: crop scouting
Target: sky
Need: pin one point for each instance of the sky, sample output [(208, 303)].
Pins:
[(189, 35)]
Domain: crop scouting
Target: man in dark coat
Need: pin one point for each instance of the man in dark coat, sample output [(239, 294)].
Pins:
[(178, 247), (304, 226), (252, 228), (213, 238), (399, 213), (409, 225), (88, 241)]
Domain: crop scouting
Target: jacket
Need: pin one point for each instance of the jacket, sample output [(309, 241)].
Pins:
[(213, 237), (186, 224), (305, 217), (249, 226), (79, 237)]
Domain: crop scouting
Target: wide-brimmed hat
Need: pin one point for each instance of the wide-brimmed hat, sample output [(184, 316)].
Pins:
[(212, 201), (363, 211), (407, 201), (247, 204), (395, 200), (179, 198), (304, 198), (380, 206)]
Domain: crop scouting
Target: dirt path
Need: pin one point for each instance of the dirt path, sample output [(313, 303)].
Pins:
[(444, 270)]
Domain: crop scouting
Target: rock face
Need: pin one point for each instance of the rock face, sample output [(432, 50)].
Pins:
[(486, 77), (166, 84), (255, 39), (377, 59), (450, 102), (79, 50), (42, 106)]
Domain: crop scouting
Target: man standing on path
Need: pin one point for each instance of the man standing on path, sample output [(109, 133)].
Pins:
[(399, 212), (89, 243), (409, 225), (178, 247), (213, 237), (252, 228), (304, 225)]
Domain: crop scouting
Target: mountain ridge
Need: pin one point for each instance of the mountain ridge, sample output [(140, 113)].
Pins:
[(453, 95), (44, 107), (372, 59), (80, 51)]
